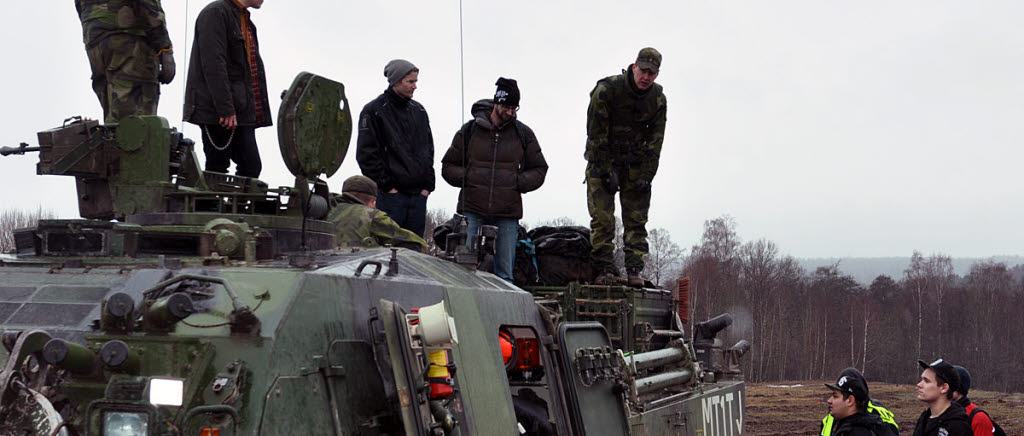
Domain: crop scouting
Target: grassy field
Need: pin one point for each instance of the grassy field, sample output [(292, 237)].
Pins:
[(796, 408)]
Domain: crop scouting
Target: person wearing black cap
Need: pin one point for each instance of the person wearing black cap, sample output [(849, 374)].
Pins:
[(396, 148), (981, 423), (494, 159), (625, 131), (848, 409), (942, 417), (357, 222)]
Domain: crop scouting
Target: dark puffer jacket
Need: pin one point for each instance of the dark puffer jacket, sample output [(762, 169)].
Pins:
[(395, 146), (953, 421), (496, 169), (219, 84)]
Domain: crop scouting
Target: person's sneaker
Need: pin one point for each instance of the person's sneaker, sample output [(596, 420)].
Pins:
[(633, 279), (607, 279)]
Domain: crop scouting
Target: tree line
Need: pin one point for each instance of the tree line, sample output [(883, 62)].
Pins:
[(812, 324)]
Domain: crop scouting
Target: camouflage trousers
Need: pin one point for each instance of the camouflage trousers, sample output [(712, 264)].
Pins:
[(124, 70), (635, 199)]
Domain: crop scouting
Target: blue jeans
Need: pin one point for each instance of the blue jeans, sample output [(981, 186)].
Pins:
[(409, 211), (504, 245)]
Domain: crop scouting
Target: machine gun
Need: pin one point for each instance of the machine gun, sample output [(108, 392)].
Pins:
[(20, 149), (146, 175)]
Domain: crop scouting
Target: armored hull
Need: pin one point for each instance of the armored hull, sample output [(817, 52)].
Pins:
[(328, 355), (215, 305)]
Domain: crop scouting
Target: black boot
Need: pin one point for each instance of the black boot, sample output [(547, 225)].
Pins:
[(633, 279), (608, 278)]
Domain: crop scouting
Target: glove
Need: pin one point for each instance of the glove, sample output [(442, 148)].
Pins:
[(166, 74), (610, 182)]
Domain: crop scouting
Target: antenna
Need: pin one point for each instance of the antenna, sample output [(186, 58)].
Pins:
[(462, 67), (182, 80)]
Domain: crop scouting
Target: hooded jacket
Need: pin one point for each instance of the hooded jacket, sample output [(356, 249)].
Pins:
[(862, 424), (497, 168), (981, 424), (395, 146), (953, 421), (219, 81)]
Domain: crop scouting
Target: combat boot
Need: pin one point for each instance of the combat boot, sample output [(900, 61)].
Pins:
[(633, 279)]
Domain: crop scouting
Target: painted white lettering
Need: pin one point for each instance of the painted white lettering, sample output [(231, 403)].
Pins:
[(709, 419), (723, 414), (728, 414), (739, 422), (717, 401)]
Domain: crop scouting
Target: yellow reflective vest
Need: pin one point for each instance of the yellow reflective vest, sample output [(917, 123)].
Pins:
[(885, 414)]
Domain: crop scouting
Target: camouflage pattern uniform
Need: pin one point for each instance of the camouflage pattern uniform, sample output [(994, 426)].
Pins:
[(625, 131), (123, 39), (357, 225)]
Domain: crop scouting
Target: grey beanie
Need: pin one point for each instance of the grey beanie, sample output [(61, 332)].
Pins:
[(397, 69)]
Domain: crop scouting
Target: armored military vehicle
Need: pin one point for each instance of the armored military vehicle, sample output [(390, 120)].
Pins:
[(193, 303)]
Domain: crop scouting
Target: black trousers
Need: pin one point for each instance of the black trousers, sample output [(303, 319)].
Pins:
[(409, 211), (241, 149)]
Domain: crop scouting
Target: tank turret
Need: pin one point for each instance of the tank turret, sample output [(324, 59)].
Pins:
[(185, 302), (146, 175)]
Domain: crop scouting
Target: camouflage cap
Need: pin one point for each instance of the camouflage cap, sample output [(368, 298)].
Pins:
[(361, 184), (649, 58)]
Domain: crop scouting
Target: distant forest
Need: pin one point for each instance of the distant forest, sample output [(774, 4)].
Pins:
[(866, 269), (810, 324)]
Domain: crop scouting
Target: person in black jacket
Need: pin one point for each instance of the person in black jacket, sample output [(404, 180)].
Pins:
[(495, 159), (226, 91), (943, 417), (848, 405), (396, 149), (981, 422)]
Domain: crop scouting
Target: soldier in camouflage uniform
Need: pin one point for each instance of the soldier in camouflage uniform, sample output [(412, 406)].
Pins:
[(129, 53), (357, 222), (625, 130)]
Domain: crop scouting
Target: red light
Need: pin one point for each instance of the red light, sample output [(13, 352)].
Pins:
[(505, 340), (529, 353), (210, 431)]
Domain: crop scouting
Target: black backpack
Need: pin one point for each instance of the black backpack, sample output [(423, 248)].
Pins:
[(998, 431)]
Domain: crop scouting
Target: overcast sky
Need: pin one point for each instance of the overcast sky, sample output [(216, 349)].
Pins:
[(868, 128)]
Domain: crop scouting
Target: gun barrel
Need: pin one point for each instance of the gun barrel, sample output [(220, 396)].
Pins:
[(708, 329), (660, 381), (650, 359), (741, 347), (21, 149)]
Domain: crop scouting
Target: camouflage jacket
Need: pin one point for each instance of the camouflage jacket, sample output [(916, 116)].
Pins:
[(357, 225), (141, 18), (625, 127)]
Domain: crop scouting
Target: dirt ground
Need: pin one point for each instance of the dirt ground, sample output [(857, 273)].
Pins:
[(796, 408)]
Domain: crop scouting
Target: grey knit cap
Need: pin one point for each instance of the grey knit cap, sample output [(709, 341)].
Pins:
[(397, 69)]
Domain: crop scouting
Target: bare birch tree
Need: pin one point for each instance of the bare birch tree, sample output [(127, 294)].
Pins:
[(13, 219), (435, 218), (662, 260)]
